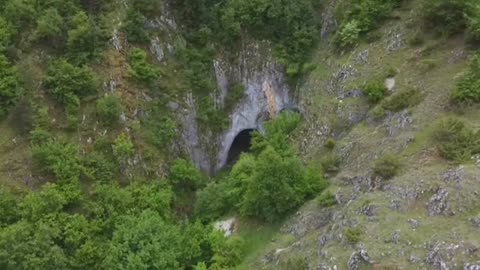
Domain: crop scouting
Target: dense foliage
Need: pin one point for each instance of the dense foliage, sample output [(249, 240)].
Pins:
[(451, 17), (468, 85), (10, 86), (455, 140), (290, 25), (249, 187)]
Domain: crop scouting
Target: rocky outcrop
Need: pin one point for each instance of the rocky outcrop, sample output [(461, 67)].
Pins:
[(438, 203), (357, 258), (266, 94), (191, 136)]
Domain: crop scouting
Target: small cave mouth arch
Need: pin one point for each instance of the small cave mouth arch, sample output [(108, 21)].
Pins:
[(241, 144)]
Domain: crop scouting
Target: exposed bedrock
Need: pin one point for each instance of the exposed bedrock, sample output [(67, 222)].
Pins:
[(266, 94)]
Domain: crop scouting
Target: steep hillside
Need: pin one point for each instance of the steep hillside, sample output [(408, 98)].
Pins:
[(425, 216)]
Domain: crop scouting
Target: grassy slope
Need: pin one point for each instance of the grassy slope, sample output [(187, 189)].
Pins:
[(431, 68)]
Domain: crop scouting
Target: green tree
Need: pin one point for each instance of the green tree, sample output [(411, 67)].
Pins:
[(85, 37), (274, 188), (348, 36), (184, 176), (50, 26), (7, 32), (10, 86), (134, 27), (109, 109), (145, 242), (8, 208), (123, 148), (60, 159), (140, 69), (65, 80), (212, 202)]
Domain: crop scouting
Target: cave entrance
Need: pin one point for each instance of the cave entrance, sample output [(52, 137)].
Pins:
[(241, 144)]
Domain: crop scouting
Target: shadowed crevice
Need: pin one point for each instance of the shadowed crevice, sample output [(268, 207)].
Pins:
[(241, 144)]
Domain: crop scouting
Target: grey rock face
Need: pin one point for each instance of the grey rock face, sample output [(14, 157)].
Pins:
[(438, 203), (435, 259), (191, 136), (329, 23), (266, 94), (414, 223), (156, 49), (308, 221), (394, 237), (471, 267), (475, 221), (369, 210), (357, 258), (396, 122), (454, 175), (117, 44)]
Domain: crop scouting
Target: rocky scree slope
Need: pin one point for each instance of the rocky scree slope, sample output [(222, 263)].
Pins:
[(425, 217)]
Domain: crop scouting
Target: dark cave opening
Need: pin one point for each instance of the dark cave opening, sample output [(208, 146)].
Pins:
[(241, 144)]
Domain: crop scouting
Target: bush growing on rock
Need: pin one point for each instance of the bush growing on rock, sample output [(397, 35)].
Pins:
[(348, 35), (455, 140), (353, 235), (66, 81), (326, 199), (402, 100), (446, 16), (387, 166), (331, 163), (109, 109), (467, 90), (375, 91), (140, 69)]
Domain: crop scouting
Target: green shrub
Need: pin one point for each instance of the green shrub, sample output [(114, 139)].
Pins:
[(59, 159), (402, 100), (123, 148), (378, 112), (295, 263), (348, 36), (375, 91), (85, 37), (446, 16), (184, 176), (326, 199), (140, 69), (109, 109), (7, 32), (353, 235), (330, 144), (134, 27), (161, 129), (387, 166), (417, 39), (50, 26), (331, 163), (8, 208), (65, 80), (473, 23), (72, 110), (212, 202), (455, 140), (10, 86), (235, 94), (467, 90)]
